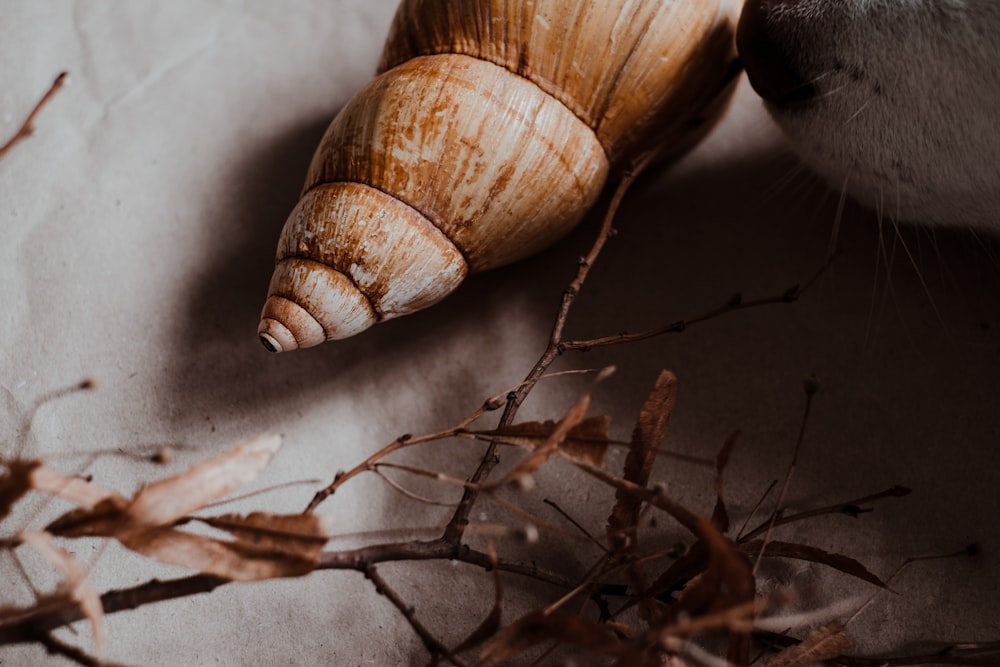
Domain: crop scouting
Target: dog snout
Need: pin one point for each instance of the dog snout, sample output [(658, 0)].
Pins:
[(766, 55)]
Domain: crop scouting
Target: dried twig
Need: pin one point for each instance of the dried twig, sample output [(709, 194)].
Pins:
[(56, 646), (434, 647), (733, 304), (811, 387), (453, 532), (28, 126)]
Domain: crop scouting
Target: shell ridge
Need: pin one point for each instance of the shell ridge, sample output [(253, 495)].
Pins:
[(433, 221), (379, 315), (571, 36), (550, 88), (345, 274), (525, 116), (616, 82), (438, 221)]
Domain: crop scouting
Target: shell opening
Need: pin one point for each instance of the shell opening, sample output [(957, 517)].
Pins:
[(270, 343)]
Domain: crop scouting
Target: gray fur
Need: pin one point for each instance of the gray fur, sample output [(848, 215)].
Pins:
[(906, 114)]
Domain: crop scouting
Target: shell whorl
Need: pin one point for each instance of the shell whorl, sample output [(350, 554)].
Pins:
[(488, 133)]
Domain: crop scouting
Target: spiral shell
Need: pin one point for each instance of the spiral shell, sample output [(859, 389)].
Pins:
[(490, 130)]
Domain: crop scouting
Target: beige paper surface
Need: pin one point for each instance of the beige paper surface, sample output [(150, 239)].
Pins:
[(138, 230)]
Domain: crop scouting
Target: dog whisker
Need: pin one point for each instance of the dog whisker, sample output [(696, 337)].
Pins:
[(860, 109), (838, 218)]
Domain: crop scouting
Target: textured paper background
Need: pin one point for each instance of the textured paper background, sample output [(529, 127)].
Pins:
[(139, 225)]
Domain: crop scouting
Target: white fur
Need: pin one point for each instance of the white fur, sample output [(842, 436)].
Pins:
[(906, 114)]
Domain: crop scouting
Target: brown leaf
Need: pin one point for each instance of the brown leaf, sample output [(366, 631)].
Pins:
[(823, 643), (654, 417), (537, 627), (812, 554), (104, 513), (299, 535), (80, 492), (586, 442), (103, 520), (75, 579), (238, 561), (692, 563), (15, 483), (267, 545), (623, 523), (164, 502), (573, 417), (654, 496), (728, 571), (726, 582)]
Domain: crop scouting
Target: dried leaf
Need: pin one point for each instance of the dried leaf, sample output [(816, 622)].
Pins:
[(238, 561), (299, 535), (170, 499), (623, 523), (75, 579), (104, 513), (586, 442), (537, 627), (267, 545), (684, 569), (104, 520), (649, 432), (655, 496), (727, 582), (823, 643), (839, 562), (80, 492), (729, 570), (15, 483), (573, 417)]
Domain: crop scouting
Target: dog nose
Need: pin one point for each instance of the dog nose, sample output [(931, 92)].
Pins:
[(767, 58)]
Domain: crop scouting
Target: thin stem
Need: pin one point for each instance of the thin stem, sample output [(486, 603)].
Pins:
[(433, 646), (28, 127), (56, 646), (810, 387), (453, 532), (851, 507), (734, 304)]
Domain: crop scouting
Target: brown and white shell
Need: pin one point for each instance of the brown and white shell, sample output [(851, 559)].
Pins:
[(488, 133)]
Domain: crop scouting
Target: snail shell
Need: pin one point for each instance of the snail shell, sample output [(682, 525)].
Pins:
[(490, 130)]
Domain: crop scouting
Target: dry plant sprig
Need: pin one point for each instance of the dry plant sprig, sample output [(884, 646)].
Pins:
[(436, 648), (811, 387), (706, 586), (713, 579), (28, 127)]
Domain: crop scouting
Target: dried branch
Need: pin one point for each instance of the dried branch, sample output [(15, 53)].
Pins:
[(28, 127), (453, 531), (811, 387), (433, 646), (56, 646), (491, 624), (733, 304), (852, 508), (978, 654)]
